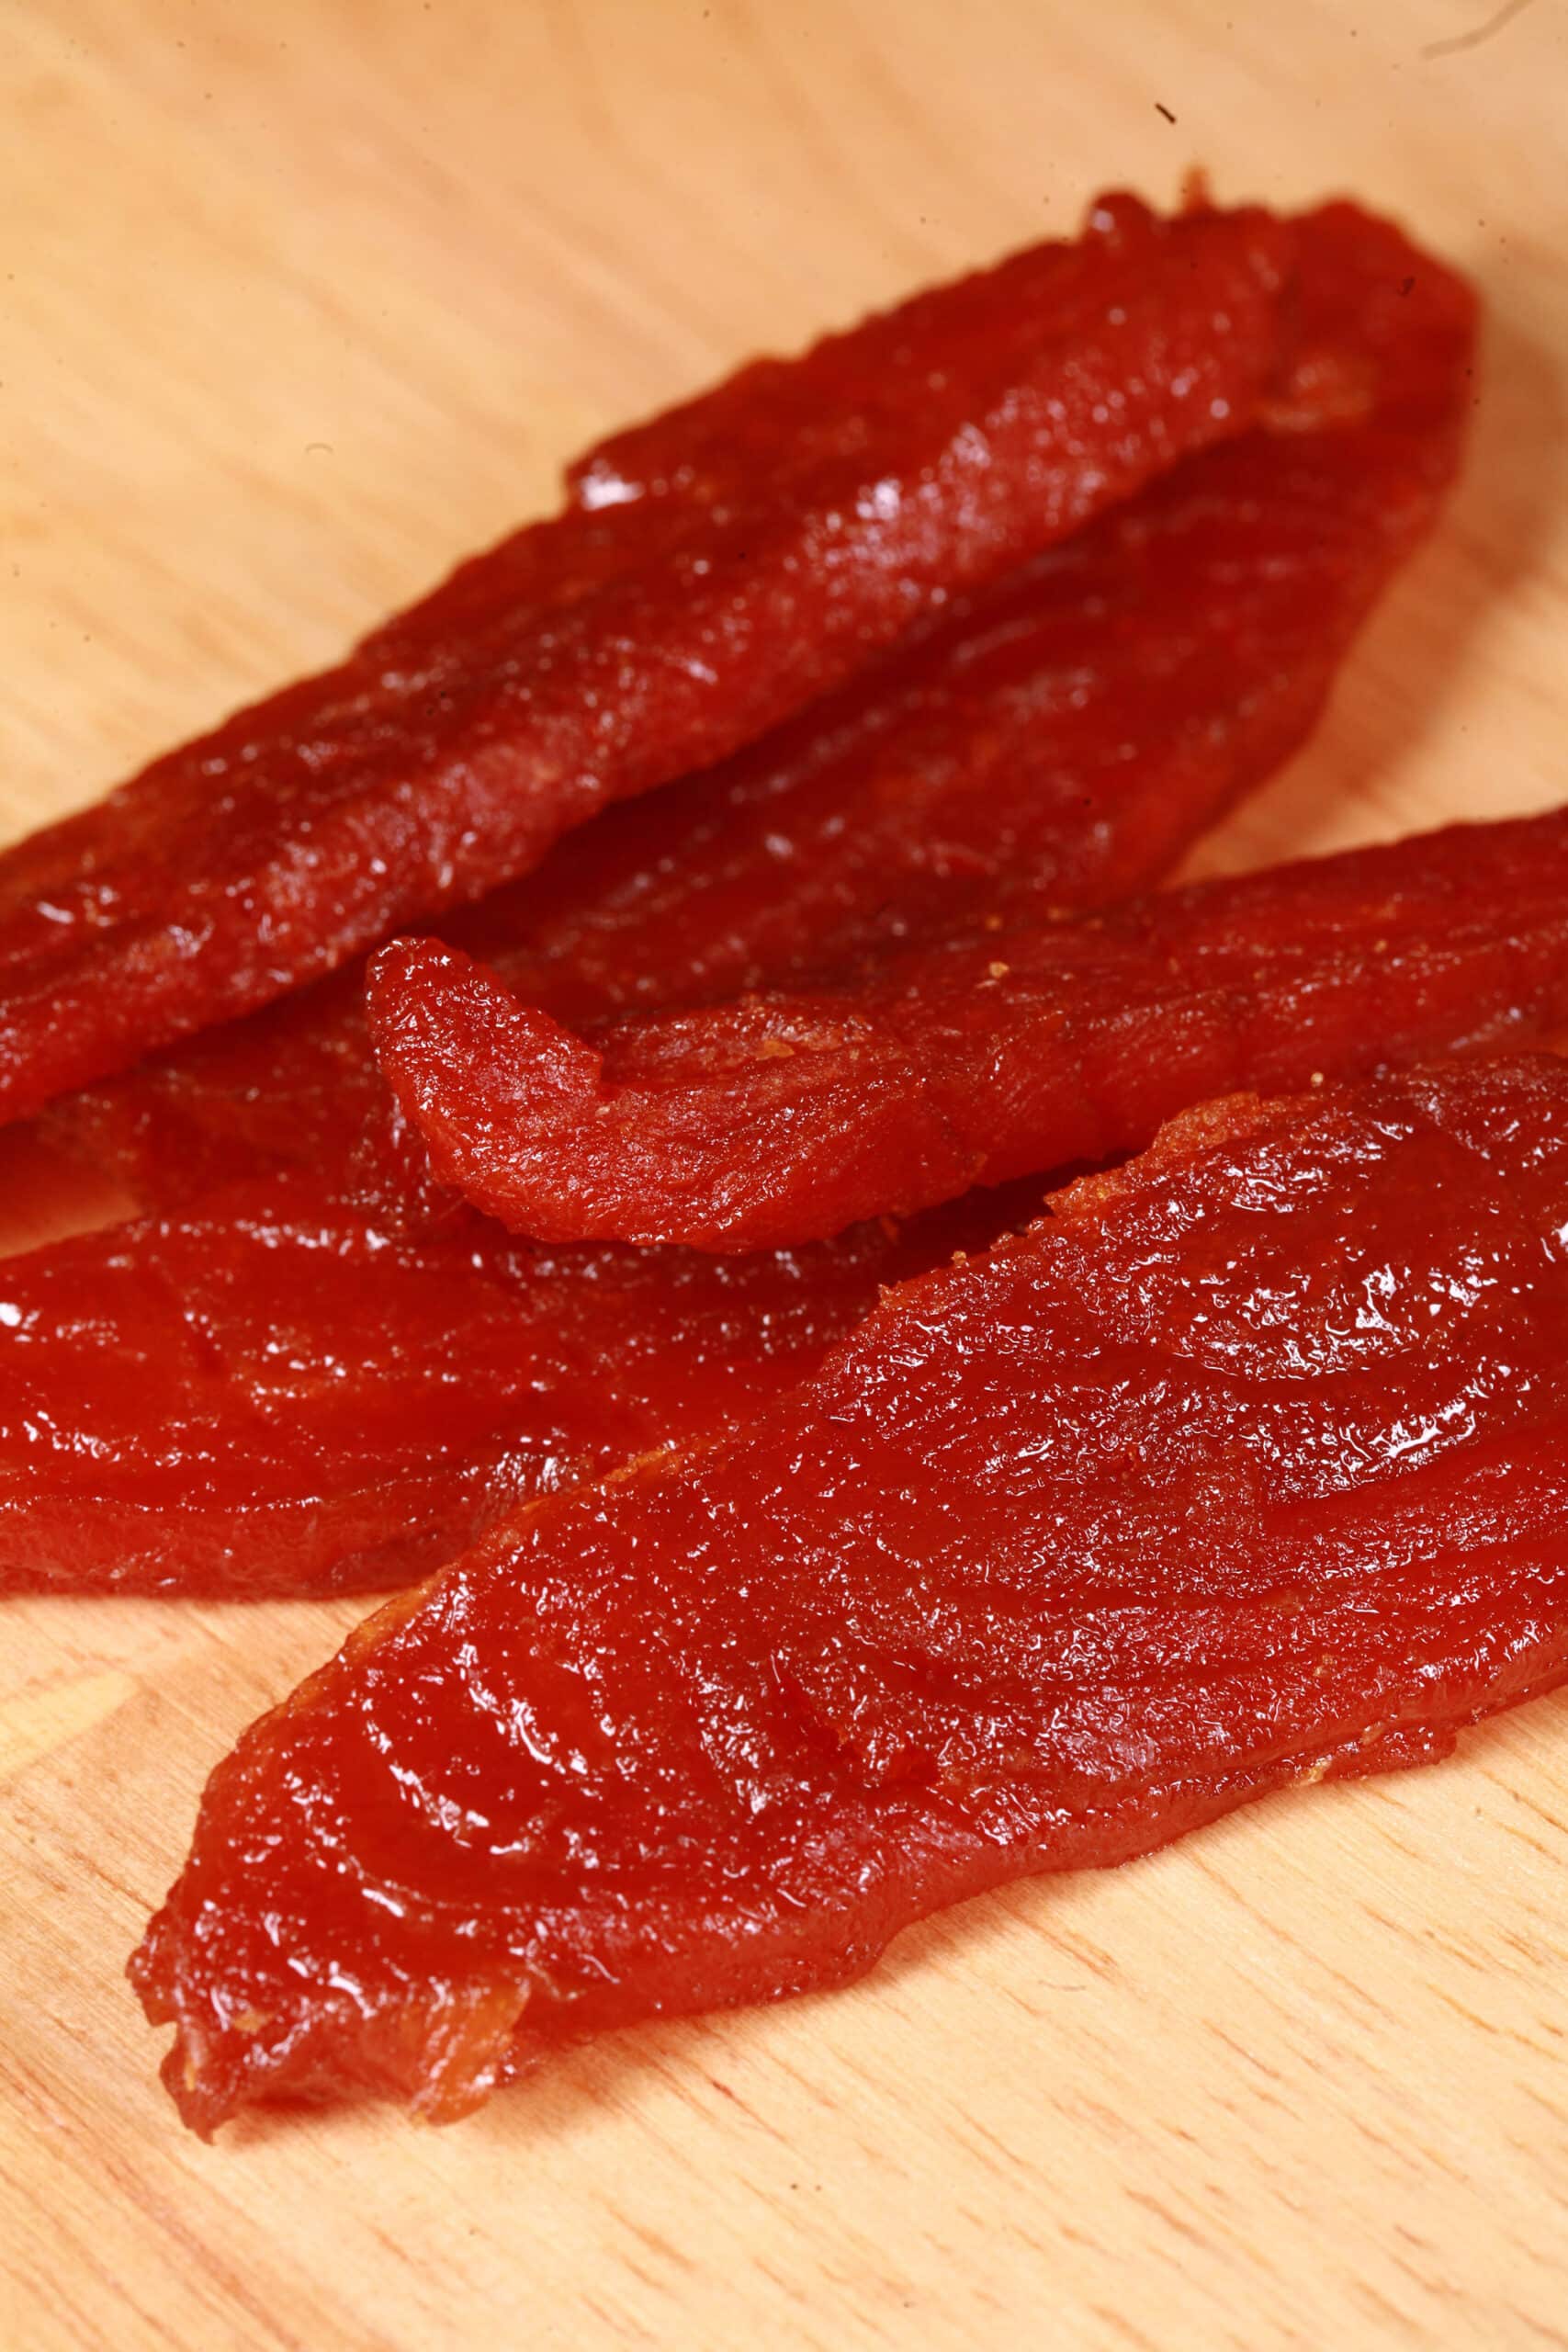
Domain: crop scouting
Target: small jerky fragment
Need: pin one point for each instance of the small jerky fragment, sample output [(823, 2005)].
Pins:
[(790, 1115), (1248, 1466), (711, 572), (268, 1396)]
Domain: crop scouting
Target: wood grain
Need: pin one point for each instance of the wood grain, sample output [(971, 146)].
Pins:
[(300, 301)]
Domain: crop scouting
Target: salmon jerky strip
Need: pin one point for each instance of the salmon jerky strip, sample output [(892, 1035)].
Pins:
[(990, 765), (1247, 1468), (763, 1120), (710, 572), (788, 1115), (266, 1394)]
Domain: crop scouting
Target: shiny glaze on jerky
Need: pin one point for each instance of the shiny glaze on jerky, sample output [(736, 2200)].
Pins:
[(1247, 1468), (790, 1115), (1057, 741), (711, 572), (794, 1114), (266, 1394)]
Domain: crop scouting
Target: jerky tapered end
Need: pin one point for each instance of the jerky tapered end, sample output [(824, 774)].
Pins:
[(437, 2049), (471, 1065)]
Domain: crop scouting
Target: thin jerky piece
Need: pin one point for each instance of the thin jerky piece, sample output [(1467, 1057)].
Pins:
[(1280, 541), (787, 1116), (268, 1396), (711, 572), (1247, 1468), (992, 764)]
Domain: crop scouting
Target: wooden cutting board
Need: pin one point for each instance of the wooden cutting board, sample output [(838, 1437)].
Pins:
[(299, 301)]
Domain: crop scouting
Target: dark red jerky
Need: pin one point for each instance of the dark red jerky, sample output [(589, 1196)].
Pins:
[(788, 1115), (712, 572), (269, 1397), (1247, 1467), (1060, 740), (1057, 742), (799, 1111)]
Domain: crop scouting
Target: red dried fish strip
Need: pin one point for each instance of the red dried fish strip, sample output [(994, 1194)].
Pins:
[(1247, 1468), (1060, 741), (268, 1396), (712, 572), (770, 1120), (788, 1115)]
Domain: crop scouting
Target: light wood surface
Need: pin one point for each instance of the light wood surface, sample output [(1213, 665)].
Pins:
[(299, 301)]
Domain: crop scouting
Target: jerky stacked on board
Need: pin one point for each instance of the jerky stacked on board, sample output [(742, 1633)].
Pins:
[(967, 622), (710, 572), (1052, 744)]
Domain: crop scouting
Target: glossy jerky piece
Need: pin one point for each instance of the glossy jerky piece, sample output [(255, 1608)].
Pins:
[(268, 1396), (1247, 1468), (711, 572), (747, 1123), (978, 769), (791, 1114), (1057, 741), (994, 764)]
